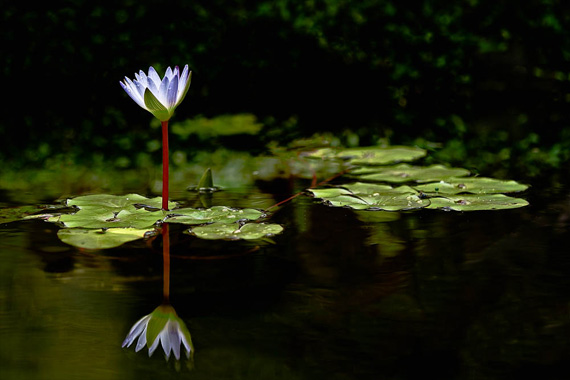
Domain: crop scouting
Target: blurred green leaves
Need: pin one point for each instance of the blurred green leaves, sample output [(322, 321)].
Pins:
[(223, 125)]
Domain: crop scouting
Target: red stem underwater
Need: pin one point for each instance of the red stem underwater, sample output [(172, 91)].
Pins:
[(165, 165), (166, 263)]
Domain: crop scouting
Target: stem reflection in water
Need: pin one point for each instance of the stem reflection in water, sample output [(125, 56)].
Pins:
[(163, 324)]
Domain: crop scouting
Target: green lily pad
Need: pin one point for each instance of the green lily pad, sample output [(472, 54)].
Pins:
[(361, 196), (471, 202), (91, 217), (218, 214), (407, 173), (475, 185), (373, 155), (116, 202), (100, 239), (250, 231)]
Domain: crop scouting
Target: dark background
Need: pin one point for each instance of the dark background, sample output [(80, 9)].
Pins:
[(486, 82)]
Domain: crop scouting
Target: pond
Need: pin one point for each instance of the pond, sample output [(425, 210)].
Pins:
[(340, 294)]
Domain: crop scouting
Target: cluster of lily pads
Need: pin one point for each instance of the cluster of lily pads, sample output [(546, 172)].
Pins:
[(383, 181), (379, 178), (104, 221)]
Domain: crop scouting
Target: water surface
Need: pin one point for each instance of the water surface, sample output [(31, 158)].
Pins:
[(339, 295)]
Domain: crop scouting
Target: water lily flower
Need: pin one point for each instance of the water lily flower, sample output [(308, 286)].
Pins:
[(162, 325), (159, 96)]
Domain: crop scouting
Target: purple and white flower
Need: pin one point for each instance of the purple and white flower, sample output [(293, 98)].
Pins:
[(159, 96), (162, 325)]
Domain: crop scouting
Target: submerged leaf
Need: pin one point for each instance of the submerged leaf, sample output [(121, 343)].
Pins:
[(100, 239)]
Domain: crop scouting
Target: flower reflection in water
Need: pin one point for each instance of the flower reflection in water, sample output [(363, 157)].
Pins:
[(163, 324)]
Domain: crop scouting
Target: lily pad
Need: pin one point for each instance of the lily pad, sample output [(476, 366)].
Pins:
[(91, 217), (471, 202), (218, 214), (407, 173), (250, 231), (475, 185), (100, 239), (373, 155), (116, 202), (361, 196)]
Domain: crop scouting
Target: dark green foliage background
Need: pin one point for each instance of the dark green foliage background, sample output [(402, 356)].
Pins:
[(475, 76)]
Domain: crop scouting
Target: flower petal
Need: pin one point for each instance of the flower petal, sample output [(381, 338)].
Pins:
[(153, 86), (172, 93), (162, 91), (136, 91), (143, 78), (140, 88), (154, 345), (185, 338), (168, 73), (142, 340), (132, 93), (135, 331), (184, 79), (165, 340), (152, 74), (173, 332), (182, 91)]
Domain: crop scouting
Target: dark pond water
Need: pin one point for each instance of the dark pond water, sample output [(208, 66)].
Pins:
[(340, 295)]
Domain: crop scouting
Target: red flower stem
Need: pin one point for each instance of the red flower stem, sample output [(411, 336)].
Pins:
[(166, 263), (165, 165)]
